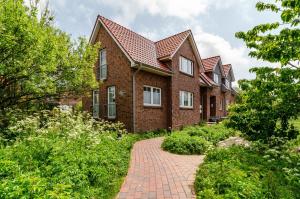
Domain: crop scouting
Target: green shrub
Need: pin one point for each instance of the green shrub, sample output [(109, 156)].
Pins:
[(183, 143), (239, 172), (196, 139), (61, 155)]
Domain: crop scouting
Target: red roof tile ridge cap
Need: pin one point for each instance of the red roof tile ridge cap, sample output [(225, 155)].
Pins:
[(100, 17), (212, 57), (189, 30)]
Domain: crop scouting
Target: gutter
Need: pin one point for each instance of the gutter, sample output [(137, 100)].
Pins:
[(134, 96)]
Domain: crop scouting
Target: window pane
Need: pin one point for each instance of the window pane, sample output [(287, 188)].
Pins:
[(186, 100), (103, 72), (156, 96), (103, 57), (147, 95)]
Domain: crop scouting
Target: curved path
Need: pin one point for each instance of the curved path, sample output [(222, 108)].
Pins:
[(154, 173)]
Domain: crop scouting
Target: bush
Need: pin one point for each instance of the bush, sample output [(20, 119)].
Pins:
[(196, 139), (60, 155), (183, 143), (239, 172)]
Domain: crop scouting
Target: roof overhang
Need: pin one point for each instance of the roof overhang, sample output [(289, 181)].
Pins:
[(153, 69), (94, 34)]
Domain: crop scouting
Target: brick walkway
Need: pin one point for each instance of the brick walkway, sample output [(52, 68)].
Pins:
[(154, 173)]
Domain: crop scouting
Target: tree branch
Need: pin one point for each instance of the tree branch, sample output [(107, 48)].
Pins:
[(293, 65)]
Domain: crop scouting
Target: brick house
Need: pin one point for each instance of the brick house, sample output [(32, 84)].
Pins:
[(149, 85), (217, 93)]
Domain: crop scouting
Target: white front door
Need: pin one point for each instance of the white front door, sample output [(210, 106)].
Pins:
[(96, 104), (111, 102)]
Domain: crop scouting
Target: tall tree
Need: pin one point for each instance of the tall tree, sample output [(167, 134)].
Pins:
[(274, 95), (37, 60)]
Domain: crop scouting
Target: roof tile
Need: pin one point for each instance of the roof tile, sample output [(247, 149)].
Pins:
[(210, 63)]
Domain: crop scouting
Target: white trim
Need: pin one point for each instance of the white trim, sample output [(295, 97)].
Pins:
[(151, 96), (108, 102), (100, 64), (180, 65), (98, 104), (180, 45), (93, 37), (195, 49), (181, 99)]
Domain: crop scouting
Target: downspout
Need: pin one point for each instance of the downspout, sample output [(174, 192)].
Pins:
[(133, 95)]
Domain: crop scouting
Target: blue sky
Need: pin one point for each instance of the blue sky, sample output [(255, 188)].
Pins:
[(213, 22)]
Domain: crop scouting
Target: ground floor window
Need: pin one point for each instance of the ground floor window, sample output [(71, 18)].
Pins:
[(186, 99), (152, 96), (111, 102)]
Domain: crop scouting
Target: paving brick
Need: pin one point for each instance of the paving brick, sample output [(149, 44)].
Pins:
[(154, 173)]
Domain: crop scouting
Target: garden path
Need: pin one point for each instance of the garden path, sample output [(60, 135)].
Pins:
[(157, 174)]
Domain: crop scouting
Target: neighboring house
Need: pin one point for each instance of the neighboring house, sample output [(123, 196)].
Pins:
[(146, 85), (217, 93)]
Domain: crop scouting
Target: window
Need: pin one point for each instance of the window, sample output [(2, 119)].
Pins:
[(216, 78), (186, 99), (152, 96), (102, 65), (96, 104), (186, 66), (221, 105), (227, 83), (111, 102)]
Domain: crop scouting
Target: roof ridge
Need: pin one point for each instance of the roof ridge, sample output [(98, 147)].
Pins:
[(212, 57), (100, 16), (189, 30)]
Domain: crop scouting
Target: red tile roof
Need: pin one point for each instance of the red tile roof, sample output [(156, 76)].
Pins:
[(207, 80), (139, 48), (168, 46), (210, 63), (226, 69)]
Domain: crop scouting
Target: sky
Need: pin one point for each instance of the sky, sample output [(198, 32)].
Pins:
[(213, 23)]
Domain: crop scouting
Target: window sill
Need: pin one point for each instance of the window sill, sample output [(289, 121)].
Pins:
[(186, 108), (187, 74), (152, 107)]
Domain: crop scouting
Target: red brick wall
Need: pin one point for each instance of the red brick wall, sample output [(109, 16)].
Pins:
[(182, 82), (151, 118), (119, 74)]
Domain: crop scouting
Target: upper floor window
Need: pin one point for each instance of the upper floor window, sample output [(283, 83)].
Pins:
[(216, 78), (102, 65), (152, 96), (227, 83), (186, 66), (186, 99)]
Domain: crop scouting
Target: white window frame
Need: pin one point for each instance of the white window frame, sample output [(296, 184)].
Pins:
[(101, 65), (227, 83), (151, 96), (182, 69), (221, 104), (216, 78), (190, 96), (110, 103), (96, 113)]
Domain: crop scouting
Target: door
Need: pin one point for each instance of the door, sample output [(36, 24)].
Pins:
[(111, 102), (96, 104), (212, 106)]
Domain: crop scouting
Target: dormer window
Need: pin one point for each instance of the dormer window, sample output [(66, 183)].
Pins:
[(186, 66), (216, 78)]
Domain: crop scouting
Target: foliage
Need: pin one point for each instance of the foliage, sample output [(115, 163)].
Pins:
[(273, 96), (60, 155), (196, 139), (239, 172), (38, 62), (182, 143)]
